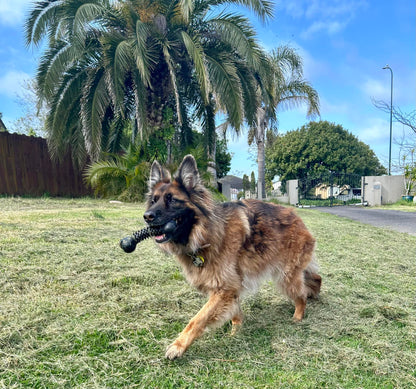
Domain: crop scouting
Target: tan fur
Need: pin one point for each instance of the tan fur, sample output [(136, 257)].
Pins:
[(242, 244)]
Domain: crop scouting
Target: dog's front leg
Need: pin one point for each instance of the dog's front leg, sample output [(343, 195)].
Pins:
[(221, 306)]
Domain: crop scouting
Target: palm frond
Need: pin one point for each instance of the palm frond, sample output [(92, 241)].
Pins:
[(286, 61), (54, 64), (64, 112), (119, 60), (141, 52), (42, 20), (262, 8), (196, 53), (174, 84), (227, 88), (186, 8), (84, 16), (236, 31), (140, 108), (250, 97), (107, 177), (296, 93), (94, 103)]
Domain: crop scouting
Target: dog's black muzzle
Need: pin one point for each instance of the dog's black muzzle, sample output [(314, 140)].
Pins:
[(166, 227)]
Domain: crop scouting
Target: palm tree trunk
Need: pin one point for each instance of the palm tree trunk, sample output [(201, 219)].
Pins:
[(211, 142), (212, 167), (261, 190), (260, 132)]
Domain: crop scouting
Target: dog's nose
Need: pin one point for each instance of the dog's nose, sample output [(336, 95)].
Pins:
[(149, 216)]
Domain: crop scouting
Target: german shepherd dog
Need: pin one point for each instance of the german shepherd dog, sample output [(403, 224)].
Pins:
[(227, 249)]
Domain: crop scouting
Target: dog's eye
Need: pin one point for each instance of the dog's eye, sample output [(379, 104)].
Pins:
[(169, 198), (155, 199)]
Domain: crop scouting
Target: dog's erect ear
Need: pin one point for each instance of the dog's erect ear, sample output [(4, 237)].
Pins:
[(188, 173), (157, 174)]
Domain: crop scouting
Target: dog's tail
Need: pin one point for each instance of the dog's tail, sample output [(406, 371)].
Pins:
[(313, 280)]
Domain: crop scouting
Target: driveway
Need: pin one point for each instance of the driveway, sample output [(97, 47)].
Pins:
[(394, 220)]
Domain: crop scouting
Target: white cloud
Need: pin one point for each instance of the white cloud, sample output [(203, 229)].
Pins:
[(377, 131), (11, 83), (327, 16), (313, 66), (13, 12), (330, 28), (376, 89), (293, 8)]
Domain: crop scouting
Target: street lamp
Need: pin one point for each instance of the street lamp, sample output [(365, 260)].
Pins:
[(391, 113)]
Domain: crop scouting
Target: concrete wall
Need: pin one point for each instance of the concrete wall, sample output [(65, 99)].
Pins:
[(292, 191), (226, 190), (380, 190), (376, 190)]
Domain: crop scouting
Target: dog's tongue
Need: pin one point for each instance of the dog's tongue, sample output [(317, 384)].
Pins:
[(168, 228)]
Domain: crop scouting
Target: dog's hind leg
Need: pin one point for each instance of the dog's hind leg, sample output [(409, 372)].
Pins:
[(313, 283), (237, 321), (221, 306), (293, 285), (303, 286), (313, 280)]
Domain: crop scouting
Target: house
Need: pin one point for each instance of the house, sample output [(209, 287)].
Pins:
[(323, 191), (277, 188), (230, 186), (343, 193), (347, 193), (2, 125)]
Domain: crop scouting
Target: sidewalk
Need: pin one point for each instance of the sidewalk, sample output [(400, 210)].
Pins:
[(394, 220)]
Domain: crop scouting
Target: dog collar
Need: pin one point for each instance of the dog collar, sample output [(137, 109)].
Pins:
[(198, 260)]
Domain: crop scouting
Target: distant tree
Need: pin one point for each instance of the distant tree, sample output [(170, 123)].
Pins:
[(317, 148), (253, 183), (285, 89), (32, 121), (222, 158), (407, 142), (2, 125), (408, 119), (246, 183)]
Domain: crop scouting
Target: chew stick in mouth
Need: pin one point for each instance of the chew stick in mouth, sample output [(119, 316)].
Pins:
[(128, 244)]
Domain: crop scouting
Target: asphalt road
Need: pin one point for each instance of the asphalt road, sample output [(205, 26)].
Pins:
[(394, 220)]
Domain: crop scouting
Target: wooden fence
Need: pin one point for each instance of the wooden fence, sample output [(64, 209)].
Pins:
[(26, 169)]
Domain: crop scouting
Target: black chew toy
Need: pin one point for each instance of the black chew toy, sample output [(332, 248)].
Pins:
[(128, 244)]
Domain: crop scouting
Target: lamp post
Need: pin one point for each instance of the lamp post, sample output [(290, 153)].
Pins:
[(391, 113)]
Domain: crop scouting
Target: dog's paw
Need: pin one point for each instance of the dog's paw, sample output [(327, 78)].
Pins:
[(297, 318), (235, 329), (174, 351)]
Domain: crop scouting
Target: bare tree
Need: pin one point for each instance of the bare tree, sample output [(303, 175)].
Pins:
[(407, 141), (32, 122), (408, 119)]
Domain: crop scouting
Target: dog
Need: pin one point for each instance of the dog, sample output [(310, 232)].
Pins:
[(226, 250)]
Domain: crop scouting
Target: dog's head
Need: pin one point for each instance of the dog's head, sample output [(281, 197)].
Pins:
[(175, 206)]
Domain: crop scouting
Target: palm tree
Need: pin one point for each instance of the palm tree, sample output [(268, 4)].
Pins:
[(286, 89), (71, 76), (107, 62)]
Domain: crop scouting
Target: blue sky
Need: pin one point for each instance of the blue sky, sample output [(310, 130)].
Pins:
[(344, 45)]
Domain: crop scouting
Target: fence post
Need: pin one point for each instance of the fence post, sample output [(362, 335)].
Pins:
[(331, 189), (363, 184)]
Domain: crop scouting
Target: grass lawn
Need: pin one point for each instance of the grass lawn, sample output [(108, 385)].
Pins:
[(402, 205), (76, 311)]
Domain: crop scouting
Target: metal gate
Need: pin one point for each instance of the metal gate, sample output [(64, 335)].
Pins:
[(330, 189)]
